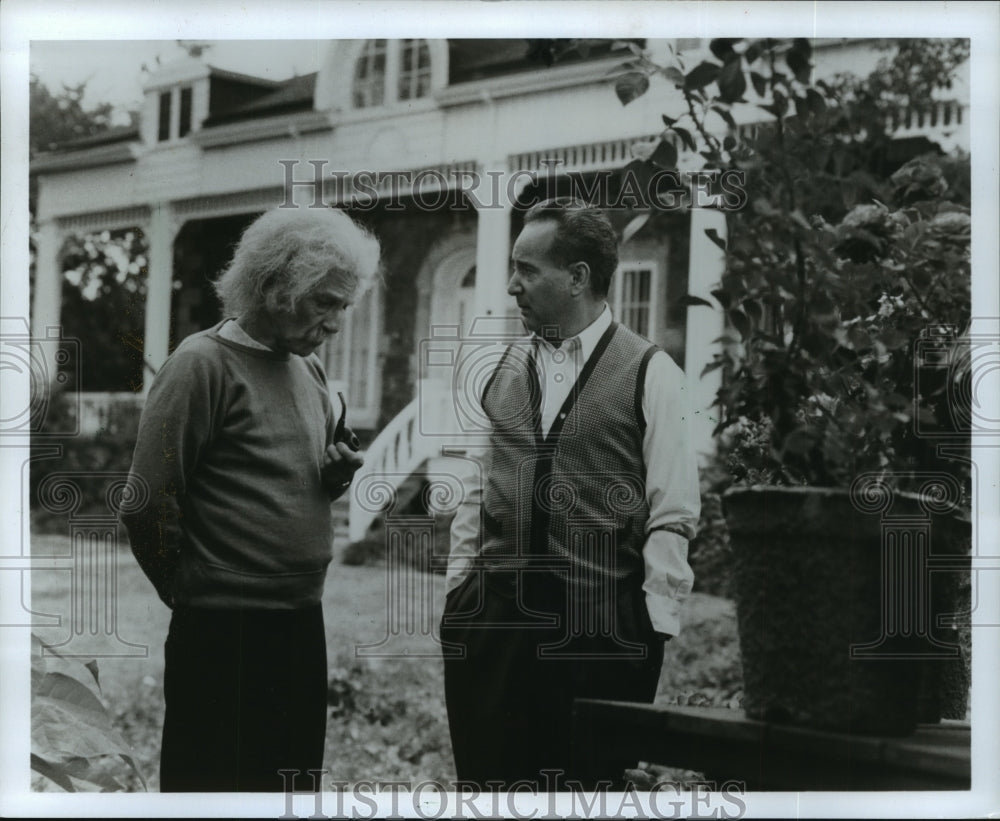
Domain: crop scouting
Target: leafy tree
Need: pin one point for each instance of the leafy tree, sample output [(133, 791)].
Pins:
[(54, 119), (840, 263), (104, 287)]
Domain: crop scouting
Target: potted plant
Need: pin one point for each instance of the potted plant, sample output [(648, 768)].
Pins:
[(843, 273)]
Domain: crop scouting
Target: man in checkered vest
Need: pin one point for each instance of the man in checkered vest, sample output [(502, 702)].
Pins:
[(569, 557)]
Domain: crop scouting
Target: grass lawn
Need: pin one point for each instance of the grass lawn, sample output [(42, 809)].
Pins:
[(387, 717)]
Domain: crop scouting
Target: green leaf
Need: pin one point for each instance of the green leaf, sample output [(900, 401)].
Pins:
[(713, 235), (631, 86), (754, 50), (798, 61), (720, 294), (674, 75), (686, 137), (724, 113), (731, 81), (759, 83), (701, 75), (722, 48), (711, 366), (778, 107), (668, 121), (665, 155), (53, 772), (816, 102), (741, 322), (691, 300)]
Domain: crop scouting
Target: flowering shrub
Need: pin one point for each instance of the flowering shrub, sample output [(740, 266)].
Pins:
[(839, 267)]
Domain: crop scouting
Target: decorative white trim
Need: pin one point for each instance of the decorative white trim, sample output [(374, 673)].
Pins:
[(276, 127), (105, 220), (529, 82), (113, 154), (579, 158), (180, 72), (224, 205), (337, 191)]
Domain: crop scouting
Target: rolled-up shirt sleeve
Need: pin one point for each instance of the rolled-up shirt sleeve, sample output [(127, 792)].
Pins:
[(466, 531), (672, 493)]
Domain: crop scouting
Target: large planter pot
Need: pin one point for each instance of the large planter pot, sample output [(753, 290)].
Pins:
[(837, 606)]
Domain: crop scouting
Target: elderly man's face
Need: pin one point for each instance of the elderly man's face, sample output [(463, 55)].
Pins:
[(316, 317), (539, 284)]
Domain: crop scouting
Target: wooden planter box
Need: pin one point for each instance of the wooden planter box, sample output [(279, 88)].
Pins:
[(839, 599)]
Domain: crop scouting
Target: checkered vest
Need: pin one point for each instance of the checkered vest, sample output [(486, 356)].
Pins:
[(574, 501)]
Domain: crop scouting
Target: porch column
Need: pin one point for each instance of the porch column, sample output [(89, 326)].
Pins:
[(159, 288), (46, 306), (492, 241), (706, 264)]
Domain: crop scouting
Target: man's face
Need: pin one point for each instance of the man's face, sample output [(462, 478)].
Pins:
[(316, 317), (539, 284)]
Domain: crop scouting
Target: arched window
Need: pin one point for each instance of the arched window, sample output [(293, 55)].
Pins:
[(414, 69), (389, 71), (369, 75)]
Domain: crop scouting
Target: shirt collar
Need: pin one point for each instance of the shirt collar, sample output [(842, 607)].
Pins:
[(585, 341)]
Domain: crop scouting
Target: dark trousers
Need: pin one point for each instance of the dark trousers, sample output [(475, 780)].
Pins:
[(245, 696), (510, 698)]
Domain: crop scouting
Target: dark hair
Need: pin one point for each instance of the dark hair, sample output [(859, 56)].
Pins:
[(583, 234)]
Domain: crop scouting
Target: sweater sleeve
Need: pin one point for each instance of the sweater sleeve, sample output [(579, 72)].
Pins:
[(175, 427)]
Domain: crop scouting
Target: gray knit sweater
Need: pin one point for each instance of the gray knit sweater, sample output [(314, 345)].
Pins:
[(230, 447)]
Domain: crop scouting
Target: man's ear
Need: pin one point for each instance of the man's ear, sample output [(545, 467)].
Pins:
[(579, 277)]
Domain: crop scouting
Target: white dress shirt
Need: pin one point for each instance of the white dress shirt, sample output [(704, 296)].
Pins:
[(672, 491)]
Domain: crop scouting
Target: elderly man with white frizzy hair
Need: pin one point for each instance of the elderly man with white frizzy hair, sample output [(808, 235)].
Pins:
[(241, 451)]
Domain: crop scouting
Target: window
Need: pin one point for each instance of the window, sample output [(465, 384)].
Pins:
[(633, 297), (389, 71), (185, 124), (163, 129), (414, 69), (369, 75), (351, 360)]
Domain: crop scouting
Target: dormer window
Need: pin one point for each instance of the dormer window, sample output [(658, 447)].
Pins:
[(175, 114), (163, 127), (390, 71), (185, 124)]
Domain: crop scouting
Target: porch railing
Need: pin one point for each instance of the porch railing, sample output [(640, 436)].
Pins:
[(395, 454)]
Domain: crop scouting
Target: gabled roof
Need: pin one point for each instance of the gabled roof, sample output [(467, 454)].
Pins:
[(291, 95)]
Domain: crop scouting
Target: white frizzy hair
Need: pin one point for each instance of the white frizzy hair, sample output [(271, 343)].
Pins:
[(287, 252)]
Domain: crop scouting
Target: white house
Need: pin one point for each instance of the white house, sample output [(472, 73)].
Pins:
[(436, 145)]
